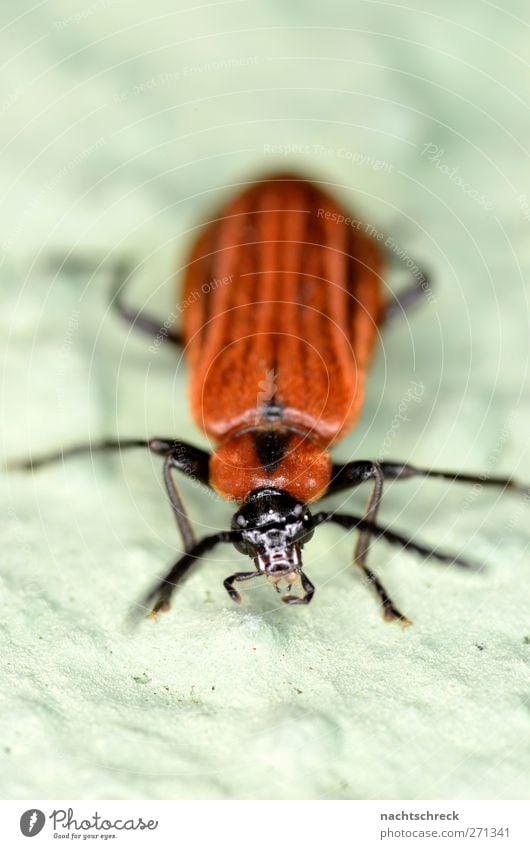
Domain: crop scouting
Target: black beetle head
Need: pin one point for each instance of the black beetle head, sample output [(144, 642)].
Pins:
[(274, 527)]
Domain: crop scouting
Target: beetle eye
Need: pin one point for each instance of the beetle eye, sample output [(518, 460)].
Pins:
[(241, 521)]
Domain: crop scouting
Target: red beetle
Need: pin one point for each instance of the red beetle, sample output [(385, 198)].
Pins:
[(284, 299)]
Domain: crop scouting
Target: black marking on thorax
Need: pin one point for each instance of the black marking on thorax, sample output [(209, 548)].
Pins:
[(271, 447)]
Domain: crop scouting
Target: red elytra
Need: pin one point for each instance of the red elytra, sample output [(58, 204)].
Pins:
[(290, 294)]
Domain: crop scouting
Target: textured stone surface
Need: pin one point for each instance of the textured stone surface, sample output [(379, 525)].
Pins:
[(118, 130)]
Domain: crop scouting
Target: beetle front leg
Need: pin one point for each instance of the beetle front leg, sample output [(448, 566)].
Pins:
[(239, 576), (159, 599)]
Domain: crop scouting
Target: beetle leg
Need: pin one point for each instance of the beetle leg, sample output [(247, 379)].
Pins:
[(409, 298), (355, 473), (180, 456), (351, 475), (104, 446), (360, 553), (239, 576), (193, 462), (350, 522), (390, 611), (179, 509), (160, 596), (146, 323), (122, 272), (309, 591), (402, 471)]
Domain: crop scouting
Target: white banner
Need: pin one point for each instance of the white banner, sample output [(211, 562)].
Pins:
[(261, 824)]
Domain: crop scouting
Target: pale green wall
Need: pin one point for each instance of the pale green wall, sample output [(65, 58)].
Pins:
[(116, 129)]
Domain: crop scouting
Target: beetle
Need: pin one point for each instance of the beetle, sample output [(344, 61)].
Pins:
[(284, 298)]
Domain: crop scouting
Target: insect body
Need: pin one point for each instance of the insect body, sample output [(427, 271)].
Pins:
[(285, 300)]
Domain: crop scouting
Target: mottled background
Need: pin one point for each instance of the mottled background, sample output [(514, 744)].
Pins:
[(119, 125)]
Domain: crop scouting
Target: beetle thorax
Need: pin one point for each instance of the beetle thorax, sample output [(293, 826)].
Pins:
[(273, 458)]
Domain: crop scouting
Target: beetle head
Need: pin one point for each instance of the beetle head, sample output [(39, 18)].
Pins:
[(274, 527)]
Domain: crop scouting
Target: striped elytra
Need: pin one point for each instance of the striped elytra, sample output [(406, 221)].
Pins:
[(284, 299)]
